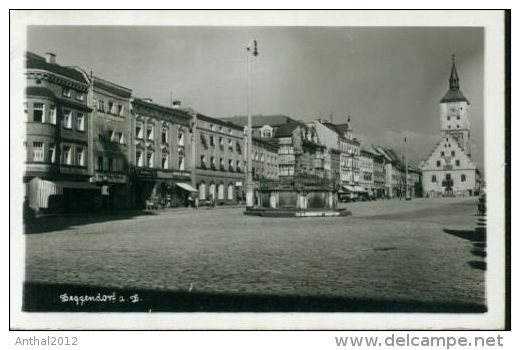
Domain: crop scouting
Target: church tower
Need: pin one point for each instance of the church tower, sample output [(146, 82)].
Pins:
[(455, 112)]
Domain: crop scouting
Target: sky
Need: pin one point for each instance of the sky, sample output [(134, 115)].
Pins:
[(389, 79)]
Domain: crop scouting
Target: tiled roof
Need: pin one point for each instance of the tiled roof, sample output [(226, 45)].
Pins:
[(286, 130), (261, 120), (34, 61)]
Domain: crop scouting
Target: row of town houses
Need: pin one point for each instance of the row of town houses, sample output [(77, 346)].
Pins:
[(91, 144)]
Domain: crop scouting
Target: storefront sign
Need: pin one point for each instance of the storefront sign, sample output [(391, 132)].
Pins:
[(113, 178), (164, 174), (181, 174), (145, 172)]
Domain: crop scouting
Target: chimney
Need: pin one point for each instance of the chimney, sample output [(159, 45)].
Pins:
[(176, 104), (50, 58)]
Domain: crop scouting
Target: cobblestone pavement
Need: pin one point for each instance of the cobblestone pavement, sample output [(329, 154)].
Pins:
[(387, 250)]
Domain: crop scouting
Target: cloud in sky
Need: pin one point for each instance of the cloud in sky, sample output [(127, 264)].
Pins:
[(389, 79)]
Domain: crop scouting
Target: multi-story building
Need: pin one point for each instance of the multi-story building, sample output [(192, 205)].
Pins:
[(57, 127), (160, 159), (110, 136), (220, 172), (379, 173), (449, 169), (351, 152), (265, 160), (366, 169)]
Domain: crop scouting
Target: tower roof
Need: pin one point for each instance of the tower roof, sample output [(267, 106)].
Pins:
[(454, 94)]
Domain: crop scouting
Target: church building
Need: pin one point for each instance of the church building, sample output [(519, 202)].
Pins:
[(449, 169)]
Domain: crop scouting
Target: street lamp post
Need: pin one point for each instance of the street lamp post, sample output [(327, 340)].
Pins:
[(408, 197), (252, 50)]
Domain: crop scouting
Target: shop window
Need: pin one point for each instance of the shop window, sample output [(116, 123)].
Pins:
[(230, 192), (202, 191), (67, 119), (80, 156), (220, 191), (80, 122), (212, 190), (38, 151), (38, 110), (164, 161)]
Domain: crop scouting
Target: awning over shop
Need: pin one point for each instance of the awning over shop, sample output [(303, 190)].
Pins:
[(186, 187), (40, 190), (360, 189), (349, 188)]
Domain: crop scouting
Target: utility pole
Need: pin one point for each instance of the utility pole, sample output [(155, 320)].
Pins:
[(252, 50)]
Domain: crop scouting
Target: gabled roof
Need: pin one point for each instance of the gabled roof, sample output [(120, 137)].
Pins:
[(34, 61), (286, 130), (261, 120)]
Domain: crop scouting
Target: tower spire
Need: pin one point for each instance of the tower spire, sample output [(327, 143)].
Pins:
[(454, 77)]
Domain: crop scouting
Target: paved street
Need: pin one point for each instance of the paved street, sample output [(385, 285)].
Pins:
[(424, 251)]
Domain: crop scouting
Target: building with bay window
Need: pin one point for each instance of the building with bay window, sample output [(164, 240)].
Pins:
[(57, 127)]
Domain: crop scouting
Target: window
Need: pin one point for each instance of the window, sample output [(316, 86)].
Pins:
[(110, 164), (164, 135), (111, 107), (181, 163), (38, 151), (220, 191), (448, 118), (212, 140), (438, 163), (458, 117), (120, 109), (212, 190), (149, 159), (66, 92), (230, 192), (181, 138), (457, 162), (121, 138), (80, 156), (139, 159), (80, 122), (442, 153), (212, 161), (448, 176), (239, 166), (221, 164), (101, 105), (239, 150), (67, 155), (26, 110), (221, 142), (80, 96), (449, 126), (139, 130), (52, 153), (230, 165), (100, 163), (112, 136), (52, 115), (149, 132), (38, 109), (463, 178), (67, 119), (164, 161), (458, 126), (230, 145), (202, 191)]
